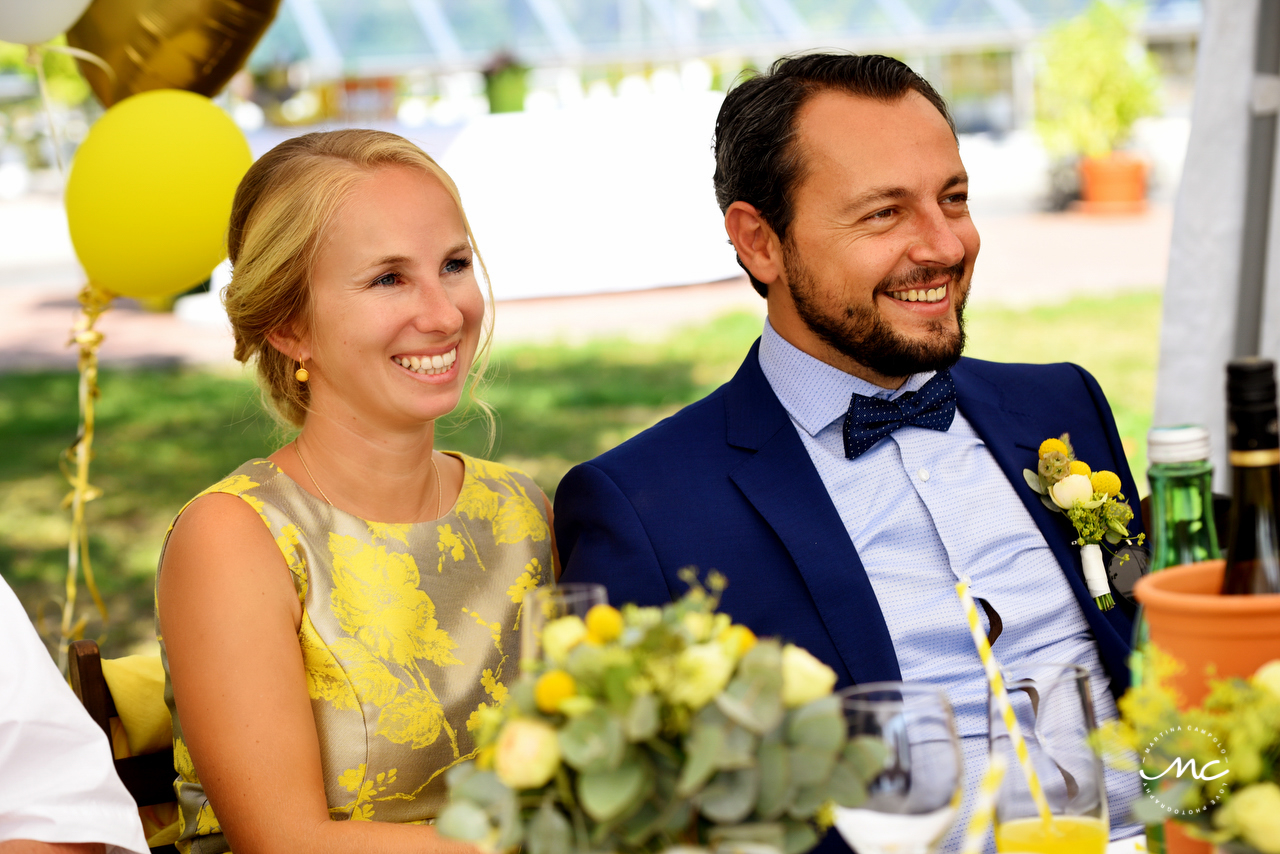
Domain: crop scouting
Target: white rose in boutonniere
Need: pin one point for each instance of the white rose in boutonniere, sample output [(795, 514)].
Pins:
[(1072, 488)]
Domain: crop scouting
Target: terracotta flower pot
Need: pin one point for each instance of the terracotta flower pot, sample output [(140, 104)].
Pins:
[(1214, 636), (1188, 619), (1116, 183)]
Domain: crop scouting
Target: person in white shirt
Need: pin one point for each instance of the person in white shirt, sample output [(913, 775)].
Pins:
[(59, 791)]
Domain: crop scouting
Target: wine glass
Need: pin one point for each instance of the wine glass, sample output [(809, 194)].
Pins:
[(547, 604), (1054, 710), (913, 798)]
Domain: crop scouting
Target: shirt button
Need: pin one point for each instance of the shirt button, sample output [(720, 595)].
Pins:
[(923, 474)]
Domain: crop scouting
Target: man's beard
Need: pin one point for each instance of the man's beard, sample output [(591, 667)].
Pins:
[(864, 336)]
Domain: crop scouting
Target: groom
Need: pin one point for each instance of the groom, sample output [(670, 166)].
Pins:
[(856, 467)]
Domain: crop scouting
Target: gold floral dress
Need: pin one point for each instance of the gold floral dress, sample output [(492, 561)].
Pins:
[(407, 631)]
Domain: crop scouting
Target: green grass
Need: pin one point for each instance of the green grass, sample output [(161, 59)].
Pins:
[(163, 435)]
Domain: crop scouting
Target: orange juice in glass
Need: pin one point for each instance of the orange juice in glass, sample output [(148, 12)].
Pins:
[(1054, 709)]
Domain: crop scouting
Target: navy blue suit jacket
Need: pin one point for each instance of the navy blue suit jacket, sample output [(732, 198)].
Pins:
[(727, 484)]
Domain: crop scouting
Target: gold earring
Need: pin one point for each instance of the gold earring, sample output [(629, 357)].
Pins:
[(301, 374)]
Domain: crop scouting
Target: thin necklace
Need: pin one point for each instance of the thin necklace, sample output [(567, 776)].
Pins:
[(439, 483)]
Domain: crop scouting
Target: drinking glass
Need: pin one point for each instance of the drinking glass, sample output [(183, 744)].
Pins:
[(1054, 710), (546, 604), (913, 800)]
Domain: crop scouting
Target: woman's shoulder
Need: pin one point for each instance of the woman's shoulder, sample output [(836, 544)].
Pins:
[(248, 484), (493, 472)]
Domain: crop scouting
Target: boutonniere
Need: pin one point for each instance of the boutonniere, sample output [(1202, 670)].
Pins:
[(1092, 501)]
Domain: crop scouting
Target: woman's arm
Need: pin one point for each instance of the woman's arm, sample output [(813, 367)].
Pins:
[(229, 615)]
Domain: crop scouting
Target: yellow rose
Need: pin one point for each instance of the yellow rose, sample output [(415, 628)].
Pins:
[(1268, 677), (804, 678), (1072, 488), (738, 639), (1253, 815), (527, 754), (560, 636), (701, 671)]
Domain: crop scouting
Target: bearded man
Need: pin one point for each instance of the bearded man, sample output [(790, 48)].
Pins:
[(856, 466)]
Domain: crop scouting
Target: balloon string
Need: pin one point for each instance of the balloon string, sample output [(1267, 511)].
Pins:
[(78, 53), (35, 56), (75, 466)]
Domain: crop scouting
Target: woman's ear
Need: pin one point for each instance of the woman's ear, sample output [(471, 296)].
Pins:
[(757, 246), (289, 343)]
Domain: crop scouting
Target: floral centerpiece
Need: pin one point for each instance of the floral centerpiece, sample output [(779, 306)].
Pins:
[(1091, 500), (651, 728), (1214, 768)]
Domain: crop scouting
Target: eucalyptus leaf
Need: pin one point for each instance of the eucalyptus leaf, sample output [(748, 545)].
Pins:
[(739, 750), (753, 698), (799, 837), (866, 756), (1033, 481), (520, 697), (1147, 811), (751, 836), (845, 786), (593, 742), (638, 829), (458, 774), (819, 725), (702, 752), (642, 721), (807, 800), (482, 788), (607, 795), (730, 796), (549, 831), (510, 827), (1048, 502), (809, 767), (463, 820), (774, 762)]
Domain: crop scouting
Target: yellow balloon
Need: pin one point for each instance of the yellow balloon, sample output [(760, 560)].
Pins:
[(150, 190)]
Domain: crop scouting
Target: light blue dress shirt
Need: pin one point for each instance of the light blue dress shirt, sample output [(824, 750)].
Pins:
[(923, 508)]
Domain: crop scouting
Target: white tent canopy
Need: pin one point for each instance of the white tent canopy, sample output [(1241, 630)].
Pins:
[(1222, 298)]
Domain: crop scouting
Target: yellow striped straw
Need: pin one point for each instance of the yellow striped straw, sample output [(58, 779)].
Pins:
[(975, 836), (1002, 699)]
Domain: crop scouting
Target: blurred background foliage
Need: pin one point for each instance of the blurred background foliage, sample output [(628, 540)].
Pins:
[(165, 434)]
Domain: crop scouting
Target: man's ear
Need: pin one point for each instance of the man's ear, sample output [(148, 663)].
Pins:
[(757, 245), (288, 342)]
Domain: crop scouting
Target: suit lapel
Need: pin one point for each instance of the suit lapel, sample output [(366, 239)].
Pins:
[(1013, 438), (782, 484)]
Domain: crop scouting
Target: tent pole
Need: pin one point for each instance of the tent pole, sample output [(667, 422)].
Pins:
[(1258, 189)]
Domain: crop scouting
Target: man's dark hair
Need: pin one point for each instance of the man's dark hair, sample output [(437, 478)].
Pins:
[(757, 159)]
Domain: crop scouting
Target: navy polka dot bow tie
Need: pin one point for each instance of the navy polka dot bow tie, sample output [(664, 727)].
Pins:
[(870, 419)]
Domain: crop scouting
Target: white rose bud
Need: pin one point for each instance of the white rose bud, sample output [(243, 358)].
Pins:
[(1072, 488), (804, 678), (1268, 677), (560, 636), (527, 754)]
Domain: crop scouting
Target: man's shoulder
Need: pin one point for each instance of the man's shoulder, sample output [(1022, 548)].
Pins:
[(1019, 382), (688, 432)]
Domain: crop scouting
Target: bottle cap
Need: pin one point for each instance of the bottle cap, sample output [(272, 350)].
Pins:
[(1251, 383), (1186, 443)]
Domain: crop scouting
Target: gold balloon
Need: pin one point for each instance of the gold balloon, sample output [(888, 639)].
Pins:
[(195, 45)]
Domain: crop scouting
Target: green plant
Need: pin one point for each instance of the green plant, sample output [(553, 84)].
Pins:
[(1095, 81), (650, 728)]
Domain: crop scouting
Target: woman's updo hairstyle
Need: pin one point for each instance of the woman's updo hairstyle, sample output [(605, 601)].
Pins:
[(282, 210)]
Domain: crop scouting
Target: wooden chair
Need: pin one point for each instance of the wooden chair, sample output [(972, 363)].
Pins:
[(148, 778)]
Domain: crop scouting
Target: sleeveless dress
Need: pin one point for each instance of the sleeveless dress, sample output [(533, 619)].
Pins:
[(407, 632)]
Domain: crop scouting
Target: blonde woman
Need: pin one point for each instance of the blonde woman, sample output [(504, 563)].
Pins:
[(333, 616)]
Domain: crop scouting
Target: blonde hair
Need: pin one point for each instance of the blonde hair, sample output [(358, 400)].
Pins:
[(283, 207)]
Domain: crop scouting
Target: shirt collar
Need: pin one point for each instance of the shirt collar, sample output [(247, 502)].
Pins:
[(813, 392)]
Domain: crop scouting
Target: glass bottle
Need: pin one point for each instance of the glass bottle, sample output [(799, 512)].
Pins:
[(1253, 532), (1182, 528)]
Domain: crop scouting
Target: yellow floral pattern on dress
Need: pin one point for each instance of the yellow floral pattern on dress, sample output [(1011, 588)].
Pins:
[(400, 664)]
